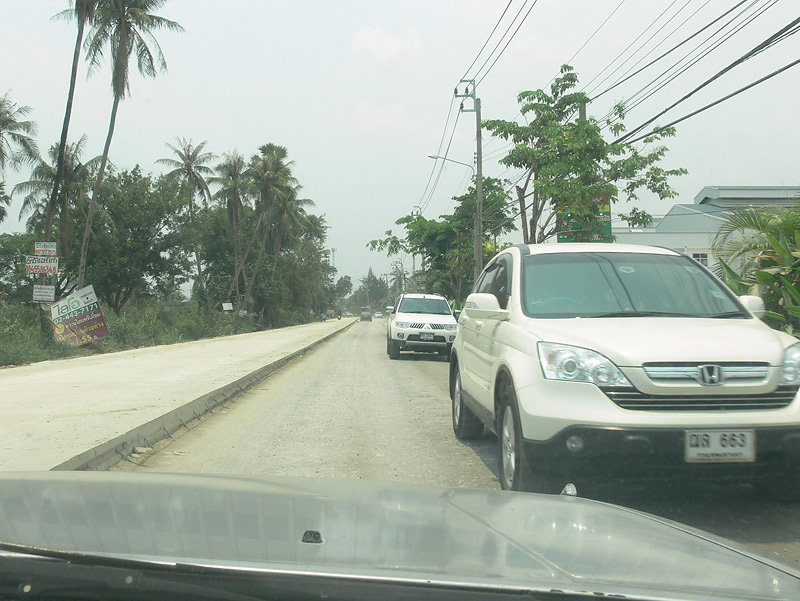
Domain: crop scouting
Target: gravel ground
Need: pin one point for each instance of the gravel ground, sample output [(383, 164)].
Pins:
[(346, 411)]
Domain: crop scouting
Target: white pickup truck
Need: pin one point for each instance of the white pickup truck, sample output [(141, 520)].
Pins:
[(421, 322)]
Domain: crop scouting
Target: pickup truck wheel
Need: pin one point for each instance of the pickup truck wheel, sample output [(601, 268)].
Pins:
[(394, 349), (515, 471), (465, 424)]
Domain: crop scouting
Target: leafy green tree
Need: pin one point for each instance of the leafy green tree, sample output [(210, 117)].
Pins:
[(17, 145), (290, 213), (123, 28), (82, 11), (570, 169), (137, 245), (15, 285), (190, 169)]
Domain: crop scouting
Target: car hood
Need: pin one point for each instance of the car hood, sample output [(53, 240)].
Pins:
[(631, 341), (382, 530), (425, 318)]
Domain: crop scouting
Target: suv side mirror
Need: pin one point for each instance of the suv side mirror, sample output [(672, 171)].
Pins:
[(754, 304), (481, 305)]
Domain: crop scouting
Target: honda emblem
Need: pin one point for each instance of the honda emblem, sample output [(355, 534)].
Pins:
[(710, 375)]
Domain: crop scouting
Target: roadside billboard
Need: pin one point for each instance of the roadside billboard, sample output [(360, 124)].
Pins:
[(78, 319), (41, 264), (47, 249)]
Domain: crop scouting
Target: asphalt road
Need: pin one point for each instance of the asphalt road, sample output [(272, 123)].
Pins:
[(346, 411)]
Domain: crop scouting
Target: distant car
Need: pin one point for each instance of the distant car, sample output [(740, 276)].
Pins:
[(378, 315), (613, 360), (366, 316), (422, 322)]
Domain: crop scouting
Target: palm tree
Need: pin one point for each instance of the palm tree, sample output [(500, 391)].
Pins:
[(191, 169), (290, 214), (5, 199), (234, 190), (17, 145), (72, 193), (123, 28), (744, 236), (271, 174), (83, 12)]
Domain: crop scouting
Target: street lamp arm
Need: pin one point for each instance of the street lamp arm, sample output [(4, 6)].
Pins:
[(436, 156)]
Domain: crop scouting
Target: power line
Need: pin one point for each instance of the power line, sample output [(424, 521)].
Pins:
[(780, 35), (506, 46), (441, 141), (654, 85), (716, 102), (678, 45), (424, 205), (475, 60)]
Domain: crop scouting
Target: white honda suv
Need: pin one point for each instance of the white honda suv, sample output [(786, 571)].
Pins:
[(420, 322), (592, 361)]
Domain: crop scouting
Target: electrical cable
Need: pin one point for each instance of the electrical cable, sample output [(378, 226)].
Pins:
[(500, 41), (426, 202), (507, 43), (475, 60), (781, 34), (626, 77), (441, 141), (716, 102)]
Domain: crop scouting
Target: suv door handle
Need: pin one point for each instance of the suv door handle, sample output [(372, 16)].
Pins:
[(478, 325)]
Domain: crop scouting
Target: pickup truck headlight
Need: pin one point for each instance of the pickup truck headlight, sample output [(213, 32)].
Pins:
[(450, 326), (575, 364), (402, 324), (790, 374)]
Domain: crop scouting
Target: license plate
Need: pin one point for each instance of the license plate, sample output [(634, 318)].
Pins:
[(425, 336), (719, 446)]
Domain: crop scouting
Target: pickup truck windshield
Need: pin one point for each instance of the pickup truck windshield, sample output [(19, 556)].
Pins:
[(432, 306), (622, 285)]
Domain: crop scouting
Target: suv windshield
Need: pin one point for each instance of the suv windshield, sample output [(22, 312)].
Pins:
[(621, 285), (433, 306)]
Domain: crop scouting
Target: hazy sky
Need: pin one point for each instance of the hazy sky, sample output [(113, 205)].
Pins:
[(359, 91)]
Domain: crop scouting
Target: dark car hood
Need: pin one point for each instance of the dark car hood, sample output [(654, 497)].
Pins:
[(372, 529)]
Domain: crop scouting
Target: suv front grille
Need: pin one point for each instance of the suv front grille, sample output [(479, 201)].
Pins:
[(630, 398), (434, 326), (741, 372)]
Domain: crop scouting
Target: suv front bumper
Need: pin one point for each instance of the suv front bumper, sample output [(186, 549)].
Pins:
[(658, 453)]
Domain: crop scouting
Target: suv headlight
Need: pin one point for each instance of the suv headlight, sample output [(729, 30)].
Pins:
[(450, 326), (402, 324), (790, 374), (575, 364)]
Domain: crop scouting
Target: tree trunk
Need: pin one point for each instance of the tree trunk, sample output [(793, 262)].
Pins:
[(523, 214), (93, 201), (64, 129)]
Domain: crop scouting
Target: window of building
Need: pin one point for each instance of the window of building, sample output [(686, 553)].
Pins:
[(701, 258)]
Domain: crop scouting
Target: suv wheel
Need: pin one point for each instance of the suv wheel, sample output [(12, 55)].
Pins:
[(515, 472), (465, 424), (394, 349)]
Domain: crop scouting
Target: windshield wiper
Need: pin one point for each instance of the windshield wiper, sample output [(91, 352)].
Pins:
[(727, 315), (640, 314)]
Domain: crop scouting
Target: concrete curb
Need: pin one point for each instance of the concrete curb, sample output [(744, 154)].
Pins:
[(109, 453)]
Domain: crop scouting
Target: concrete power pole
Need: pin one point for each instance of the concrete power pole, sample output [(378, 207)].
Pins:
[(476, 108)]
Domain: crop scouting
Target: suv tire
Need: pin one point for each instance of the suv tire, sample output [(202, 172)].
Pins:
[(465, 424), (394, 349), (515, 471)]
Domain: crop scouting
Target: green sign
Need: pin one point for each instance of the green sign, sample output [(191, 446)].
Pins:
[(603, 216)]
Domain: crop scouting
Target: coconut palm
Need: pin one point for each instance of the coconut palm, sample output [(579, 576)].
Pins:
[(234, 190), (17, 145), (81, 11), (73, 192), (5, 199), (191, 168), (122, 28), (290, 214)]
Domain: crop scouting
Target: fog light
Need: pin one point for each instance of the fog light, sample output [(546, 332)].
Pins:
[(400, 335), (452, 338), (575, 444)]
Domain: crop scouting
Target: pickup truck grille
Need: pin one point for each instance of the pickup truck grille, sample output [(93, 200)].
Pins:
[(434, 326), (630, 398)]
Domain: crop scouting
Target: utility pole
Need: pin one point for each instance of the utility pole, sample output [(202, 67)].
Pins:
[(476, 108), (333, 257)]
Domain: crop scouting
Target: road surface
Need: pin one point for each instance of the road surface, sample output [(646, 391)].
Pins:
[(346, 411)]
